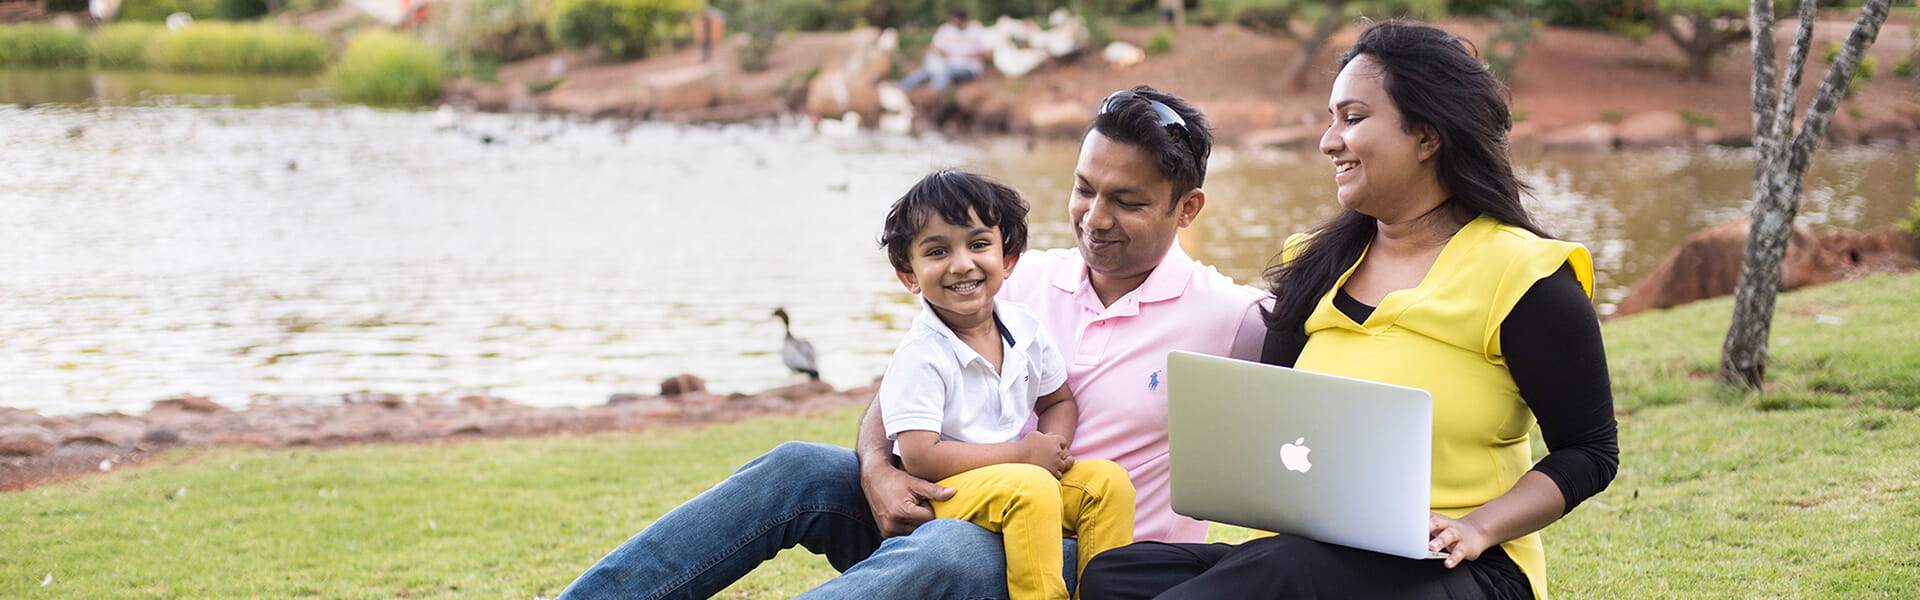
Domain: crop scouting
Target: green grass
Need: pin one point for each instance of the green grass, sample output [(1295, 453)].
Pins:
[(41, 45), (1807, 491), (381, 67)]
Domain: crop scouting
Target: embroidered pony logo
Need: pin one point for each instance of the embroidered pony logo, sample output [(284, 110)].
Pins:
[(1153, 381)]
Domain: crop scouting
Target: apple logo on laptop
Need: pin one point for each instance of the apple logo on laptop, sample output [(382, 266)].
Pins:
[(1294, 455)]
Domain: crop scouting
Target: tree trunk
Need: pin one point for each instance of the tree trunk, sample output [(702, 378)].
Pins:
[(1330, 21), (1780, 166)]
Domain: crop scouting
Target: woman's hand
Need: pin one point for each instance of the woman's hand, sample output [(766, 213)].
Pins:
[(1461, 540)]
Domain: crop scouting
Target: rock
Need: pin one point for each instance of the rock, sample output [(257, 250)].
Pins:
[(199, 404), (682, 384), (1059, 119), (1296, 136), (619, 399), (1588, 137), (1661, 128), (687, 88), (1707, 265), (108, 432), (1887, 129), (15, 416), (850, 76), (161, 436), (1122, 54), (1843, 130), (25, 440)]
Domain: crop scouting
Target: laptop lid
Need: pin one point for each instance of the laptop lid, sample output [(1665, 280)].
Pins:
[(1339, 460)]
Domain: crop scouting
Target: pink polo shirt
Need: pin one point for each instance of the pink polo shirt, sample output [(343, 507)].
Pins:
[(1117, 360)]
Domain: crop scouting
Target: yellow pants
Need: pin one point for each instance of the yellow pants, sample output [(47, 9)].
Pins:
[(1031, 510)]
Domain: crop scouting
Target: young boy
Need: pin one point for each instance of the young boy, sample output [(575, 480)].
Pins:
[(971, 374)]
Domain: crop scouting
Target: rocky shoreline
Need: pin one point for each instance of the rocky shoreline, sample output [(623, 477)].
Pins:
[(36, 449), (1573, 90)]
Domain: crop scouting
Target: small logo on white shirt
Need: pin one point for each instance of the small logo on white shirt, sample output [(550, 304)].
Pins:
[(1153, 381)]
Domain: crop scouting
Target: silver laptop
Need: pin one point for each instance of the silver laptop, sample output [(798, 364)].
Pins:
[(1335, 459)]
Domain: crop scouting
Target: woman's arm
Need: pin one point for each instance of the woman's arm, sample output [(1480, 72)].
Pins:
[(1552, 344)]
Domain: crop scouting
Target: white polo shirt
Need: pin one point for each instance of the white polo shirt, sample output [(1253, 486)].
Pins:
[(938, 383)]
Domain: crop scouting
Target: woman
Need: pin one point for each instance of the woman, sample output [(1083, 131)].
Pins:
[(1432, 276)]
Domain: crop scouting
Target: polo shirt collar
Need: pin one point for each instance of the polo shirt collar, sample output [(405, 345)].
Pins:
[(1168, 281), (963, 353)]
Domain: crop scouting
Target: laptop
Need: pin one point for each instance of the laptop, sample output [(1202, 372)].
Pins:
[(1335, 459)]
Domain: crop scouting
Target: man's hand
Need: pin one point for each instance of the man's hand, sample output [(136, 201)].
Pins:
[(1047, 451), (900, 502)]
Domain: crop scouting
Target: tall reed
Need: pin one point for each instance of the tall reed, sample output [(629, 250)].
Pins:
[(36, 44), (383, 67), (235, 48)]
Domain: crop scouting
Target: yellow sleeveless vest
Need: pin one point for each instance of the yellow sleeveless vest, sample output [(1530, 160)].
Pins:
[(1443, 336)]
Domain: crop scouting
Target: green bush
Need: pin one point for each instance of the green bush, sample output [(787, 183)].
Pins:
[(624, 28), (1161, 42), (157, 10), (41, 45), (237, 48), (383, 67), (123, 44), (477, 31), (237, 10), (1904, 68)]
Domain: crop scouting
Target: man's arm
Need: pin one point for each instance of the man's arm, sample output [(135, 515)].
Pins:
[(899, 500)]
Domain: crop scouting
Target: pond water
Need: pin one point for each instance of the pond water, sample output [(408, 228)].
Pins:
[(311, 252)]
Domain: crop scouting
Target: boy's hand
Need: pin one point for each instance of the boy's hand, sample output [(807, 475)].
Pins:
[(1046, 450)]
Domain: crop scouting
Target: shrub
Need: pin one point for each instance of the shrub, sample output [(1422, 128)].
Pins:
[(383, 67), (43, 45), (123, 44), (237, 10), (505, 30), (624, 28), (236, 48), (157, 10), (1904, 68), (1161, 42)]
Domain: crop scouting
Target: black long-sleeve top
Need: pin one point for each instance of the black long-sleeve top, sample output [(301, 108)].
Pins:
[(1552, 345)]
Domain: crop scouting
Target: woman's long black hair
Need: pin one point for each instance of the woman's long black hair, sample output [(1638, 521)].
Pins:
[(1436, 82)]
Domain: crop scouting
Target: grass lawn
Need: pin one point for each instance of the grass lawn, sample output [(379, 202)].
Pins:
[(1806, 491)]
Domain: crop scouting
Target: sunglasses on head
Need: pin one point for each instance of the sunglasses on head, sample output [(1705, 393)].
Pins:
[(1164, 116)]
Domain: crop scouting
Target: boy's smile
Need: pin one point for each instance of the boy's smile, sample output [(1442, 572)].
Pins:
[(958, 269)]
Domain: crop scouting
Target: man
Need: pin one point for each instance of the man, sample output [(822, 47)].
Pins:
[(1116, 305), (954, 56)]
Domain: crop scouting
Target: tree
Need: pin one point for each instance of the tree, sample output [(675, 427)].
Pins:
[(1309, 23), (1702, 29), (1779, 167)]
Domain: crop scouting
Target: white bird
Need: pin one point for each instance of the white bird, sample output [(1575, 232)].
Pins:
[(796, 352)]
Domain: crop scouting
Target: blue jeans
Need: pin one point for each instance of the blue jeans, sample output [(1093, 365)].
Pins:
[(938, 70), (799, 494)]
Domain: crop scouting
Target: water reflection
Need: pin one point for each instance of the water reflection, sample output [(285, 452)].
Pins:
[(301, 252)]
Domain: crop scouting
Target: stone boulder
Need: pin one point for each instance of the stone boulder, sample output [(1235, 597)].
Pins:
[(1058, 119), (1585, 137), (1707, 265), (1661, 128), (1304, 137), (194, 404), (26, 440), (683, 384), (849, 78)]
